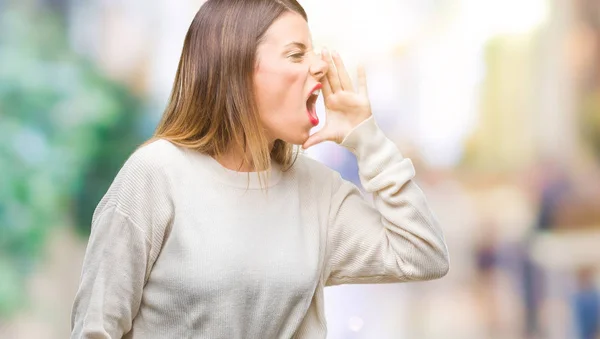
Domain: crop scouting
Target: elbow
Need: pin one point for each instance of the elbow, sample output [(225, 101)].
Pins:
[(433, 266), (437, 259), (441, 267), (439, 264)]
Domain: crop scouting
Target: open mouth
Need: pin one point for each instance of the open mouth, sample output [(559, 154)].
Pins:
[(311, 105)]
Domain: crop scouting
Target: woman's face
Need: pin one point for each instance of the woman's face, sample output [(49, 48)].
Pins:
[(286, 75)]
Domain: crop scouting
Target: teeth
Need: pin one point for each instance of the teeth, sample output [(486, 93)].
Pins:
[(316, 92)]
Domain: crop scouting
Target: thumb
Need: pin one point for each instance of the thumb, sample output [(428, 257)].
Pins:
[(313, 140)]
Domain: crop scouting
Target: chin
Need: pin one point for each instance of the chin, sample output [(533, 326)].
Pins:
[(298, 139)]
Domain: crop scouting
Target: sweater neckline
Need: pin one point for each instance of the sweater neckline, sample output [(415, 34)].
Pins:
[(250, 180)]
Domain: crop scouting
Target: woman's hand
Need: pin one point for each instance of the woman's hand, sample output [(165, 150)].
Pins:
[(345, 107)]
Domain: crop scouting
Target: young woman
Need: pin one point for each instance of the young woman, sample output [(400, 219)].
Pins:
[(216, 228)]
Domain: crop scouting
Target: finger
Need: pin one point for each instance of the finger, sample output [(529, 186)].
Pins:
[(314, 139), (326, 88), (362, 81), (345, 80), (332, 74)]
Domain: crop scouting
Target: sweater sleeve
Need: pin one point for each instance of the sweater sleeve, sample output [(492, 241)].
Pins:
[(395, 239), (127, 234)]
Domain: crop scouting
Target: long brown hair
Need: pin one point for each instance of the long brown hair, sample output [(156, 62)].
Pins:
[(212, 108)]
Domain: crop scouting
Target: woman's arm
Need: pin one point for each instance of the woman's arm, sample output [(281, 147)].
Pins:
[(127, 233), (399, 238), (112, 278)]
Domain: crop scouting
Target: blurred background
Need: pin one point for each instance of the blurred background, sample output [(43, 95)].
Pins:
[(496, 101)]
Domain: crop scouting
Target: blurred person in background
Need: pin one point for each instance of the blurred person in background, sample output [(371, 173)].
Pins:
[(586, 304), (217, 228)]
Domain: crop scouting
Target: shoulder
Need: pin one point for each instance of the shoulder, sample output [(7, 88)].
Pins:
[(305, 162), (156, 159), (146, 175), (310, 169), (142, 189), (157, 154)]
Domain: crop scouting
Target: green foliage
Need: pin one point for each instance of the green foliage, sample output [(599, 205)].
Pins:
[(65, 129)]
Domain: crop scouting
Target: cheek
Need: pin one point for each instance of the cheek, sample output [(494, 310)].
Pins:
[(293, 83), (285, 79), (279, 87)]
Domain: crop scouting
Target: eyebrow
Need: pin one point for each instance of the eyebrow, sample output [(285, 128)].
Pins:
[(297, 44)]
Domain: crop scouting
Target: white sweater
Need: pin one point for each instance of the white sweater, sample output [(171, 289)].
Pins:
[(182, 247)]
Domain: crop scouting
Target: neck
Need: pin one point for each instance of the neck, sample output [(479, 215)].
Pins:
[(238, 161), (235, 162)]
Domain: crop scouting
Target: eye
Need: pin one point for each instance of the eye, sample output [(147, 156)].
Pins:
[(296, 56)]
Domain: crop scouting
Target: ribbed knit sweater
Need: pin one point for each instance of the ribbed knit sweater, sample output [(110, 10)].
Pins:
[(182, 247)]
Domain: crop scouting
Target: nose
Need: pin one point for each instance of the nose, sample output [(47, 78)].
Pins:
[(318, 68)]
